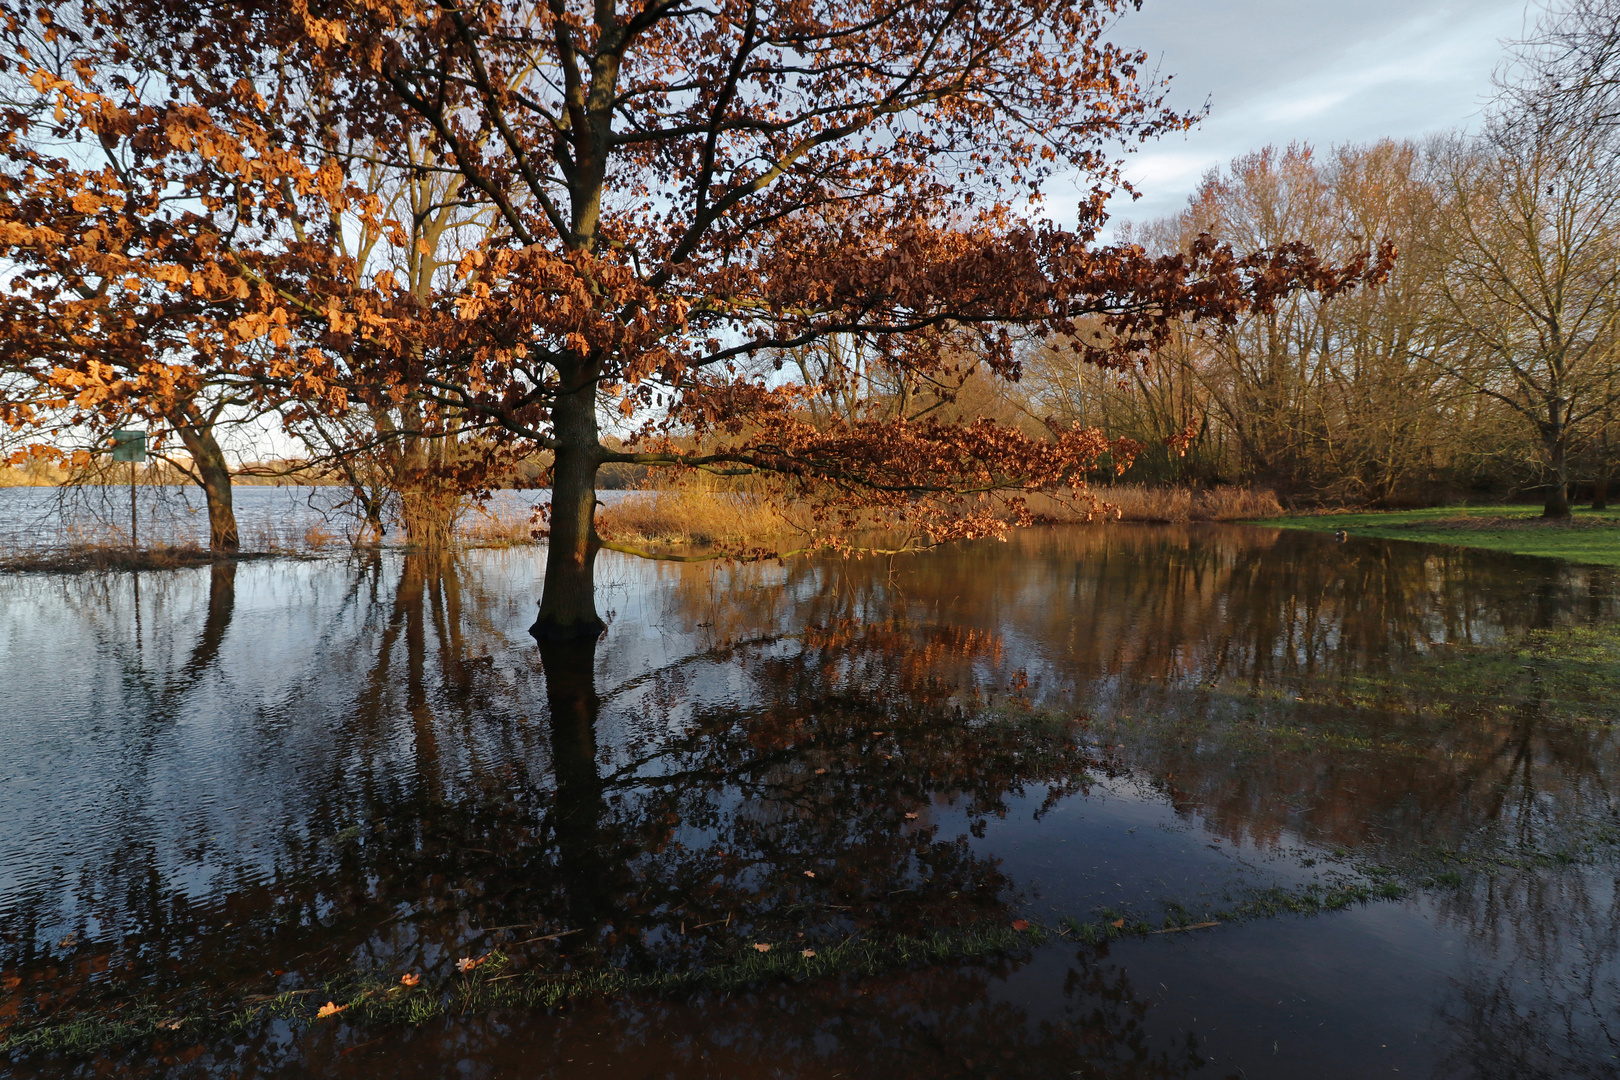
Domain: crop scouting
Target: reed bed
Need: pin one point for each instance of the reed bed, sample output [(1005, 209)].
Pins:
[(1137, 502), (693, 517), (499, 527)]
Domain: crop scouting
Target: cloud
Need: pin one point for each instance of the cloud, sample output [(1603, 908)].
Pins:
[(1281, 71)]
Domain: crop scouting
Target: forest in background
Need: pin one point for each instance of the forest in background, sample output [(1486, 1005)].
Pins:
[(1484, 368)]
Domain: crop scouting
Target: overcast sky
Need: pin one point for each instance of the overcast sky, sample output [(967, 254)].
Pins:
[(1318, 71)]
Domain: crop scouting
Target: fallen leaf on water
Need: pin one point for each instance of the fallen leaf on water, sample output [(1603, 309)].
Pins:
[(809, 873), (1118, 924), (762, 948), (331, 1008), (808, 953), (409, 980), (820, 771), (911, 817), (1020, 925), (467, 963)]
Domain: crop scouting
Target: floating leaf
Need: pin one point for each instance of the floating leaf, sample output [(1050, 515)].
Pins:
[(809, 873), (331, 1008), (1020, 925), (761, 948), (409, 979), (808, 953), (1118, 924)]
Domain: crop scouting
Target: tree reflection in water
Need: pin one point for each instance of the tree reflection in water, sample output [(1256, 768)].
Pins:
[(370, 769)]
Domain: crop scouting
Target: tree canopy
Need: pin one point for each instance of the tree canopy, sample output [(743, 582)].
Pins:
[(658, 201)]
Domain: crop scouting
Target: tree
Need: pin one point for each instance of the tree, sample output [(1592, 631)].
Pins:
[(1531, 288), (128, 233), (680, 193), (1567, 72), (1318, 397)]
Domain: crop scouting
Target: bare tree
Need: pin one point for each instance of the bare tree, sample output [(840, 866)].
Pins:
[(1531, 293)]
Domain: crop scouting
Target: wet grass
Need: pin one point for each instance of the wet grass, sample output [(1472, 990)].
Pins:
[(380, 999), (1566, 675), (82, 557), (86, 558), (1589, 536)]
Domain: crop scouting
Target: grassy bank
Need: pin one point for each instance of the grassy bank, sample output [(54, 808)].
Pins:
[(1588, 537)]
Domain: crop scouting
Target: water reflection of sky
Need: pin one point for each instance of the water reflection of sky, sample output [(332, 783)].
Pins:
[(311, 765)]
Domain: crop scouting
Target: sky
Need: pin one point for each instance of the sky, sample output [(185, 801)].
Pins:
[(1324, 72)]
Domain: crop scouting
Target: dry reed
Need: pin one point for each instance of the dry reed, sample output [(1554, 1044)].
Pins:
[(1136, 502), (486, 527), (686, 517)]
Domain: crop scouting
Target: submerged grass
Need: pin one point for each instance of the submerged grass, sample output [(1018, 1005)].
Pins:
[(79, 558), (375, 999), (1588, 536)]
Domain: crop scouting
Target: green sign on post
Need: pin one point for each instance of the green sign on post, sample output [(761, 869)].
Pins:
[(129, 445)]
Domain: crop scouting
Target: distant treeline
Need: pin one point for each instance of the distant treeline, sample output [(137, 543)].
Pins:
[(1486, 366)]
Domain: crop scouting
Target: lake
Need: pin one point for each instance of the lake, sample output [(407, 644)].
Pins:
[(1106, 801), (267, 517)]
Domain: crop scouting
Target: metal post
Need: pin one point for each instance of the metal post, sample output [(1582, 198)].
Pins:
[(134, 536)]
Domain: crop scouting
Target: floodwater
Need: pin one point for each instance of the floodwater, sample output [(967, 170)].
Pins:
[(1385, 772), (39, 518)]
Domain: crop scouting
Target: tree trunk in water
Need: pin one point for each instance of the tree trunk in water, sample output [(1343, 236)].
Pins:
[(427, 510), (568, 601), (214, 476)]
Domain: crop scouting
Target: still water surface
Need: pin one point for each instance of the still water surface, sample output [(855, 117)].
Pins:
[(217, 785)]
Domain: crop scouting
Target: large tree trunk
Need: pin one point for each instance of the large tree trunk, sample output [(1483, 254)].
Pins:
[(568, 601), (1554, 437), (214, 476)]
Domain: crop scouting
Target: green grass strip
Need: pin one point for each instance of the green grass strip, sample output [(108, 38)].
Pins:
[(1590, 536)]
